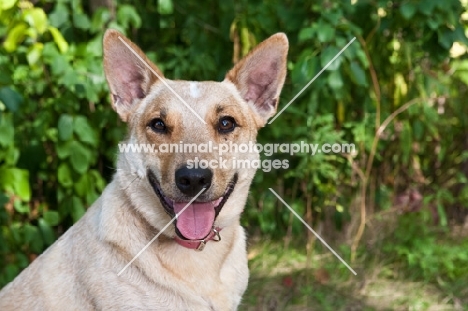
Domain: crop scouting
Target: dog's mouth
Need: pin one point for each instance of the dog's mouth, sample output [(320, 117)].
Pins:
[(197, 220)]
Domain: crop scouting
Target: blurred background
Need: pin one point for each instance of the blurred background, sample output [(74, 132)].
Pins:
[(395, 210)]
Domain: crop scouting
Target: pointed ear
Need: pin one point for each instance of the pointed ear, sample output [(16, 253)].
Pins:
[(260, 75), (129, 78)]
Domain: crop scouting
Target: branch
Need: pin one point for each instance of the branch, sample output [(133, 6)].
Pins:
[(370, 161)]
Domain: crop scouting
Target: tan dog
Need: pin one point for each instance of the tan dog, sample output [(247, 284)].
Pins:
[(80, 271)]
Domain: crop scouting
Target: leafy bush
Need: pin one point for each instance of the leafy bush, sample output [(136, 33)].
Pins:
[(431, 255), (58, 134)]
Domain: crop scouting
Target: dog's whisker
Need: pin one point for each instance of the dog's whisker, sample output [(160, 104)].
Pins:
[(129, 173)]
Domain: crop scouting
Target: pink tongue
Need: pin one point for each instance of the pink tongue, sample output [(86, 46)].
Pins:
[(196, 221)]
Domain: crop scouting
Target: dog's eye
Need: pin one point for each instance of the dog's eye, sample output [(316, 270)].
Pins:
[(226, 125), (158, 125)]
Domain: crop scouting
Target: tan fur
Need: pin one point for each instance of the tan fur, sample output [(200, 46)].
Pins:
[(79, 271)]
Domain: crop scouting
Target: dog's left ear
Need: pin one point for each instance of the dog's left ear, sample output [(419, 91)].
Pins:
[(260, 75)]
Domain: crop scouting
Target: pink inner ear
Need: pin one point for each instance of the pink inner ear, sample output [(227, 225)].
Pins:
[(260, 75), (262, 84), (130, 80)]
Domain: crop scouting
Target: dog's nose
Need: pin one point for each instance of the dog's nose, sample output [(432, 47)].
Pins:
[(192, 180)]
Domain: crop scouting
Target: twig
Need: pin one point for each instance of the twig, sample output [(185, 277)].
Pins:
[(370, 161)]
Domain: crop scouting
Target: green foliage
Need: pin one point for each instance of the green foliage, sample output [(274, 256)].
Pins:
[(53, 119), (58, 134), (431, 255)]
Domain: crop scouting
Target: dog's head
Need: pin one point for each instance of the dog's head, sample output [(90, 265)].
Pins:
[(167, 115)]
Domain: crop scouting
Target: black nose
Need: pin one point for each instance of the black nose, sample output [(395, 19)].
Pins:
[(192, 180)]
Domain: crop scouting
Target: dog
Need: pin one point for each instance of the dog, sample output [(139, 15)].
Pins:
[(197, 262)]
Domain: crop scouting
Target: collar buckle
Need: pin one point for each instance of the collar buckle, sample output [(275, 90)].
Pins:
[(201, 246), (217, 236)]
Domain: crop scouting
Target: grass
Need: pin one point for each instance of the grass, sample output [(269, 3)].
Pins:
[(282, 279)]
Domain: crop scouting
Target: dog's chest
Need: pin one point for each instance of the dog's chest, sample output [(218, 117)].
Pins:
[(208, 294)]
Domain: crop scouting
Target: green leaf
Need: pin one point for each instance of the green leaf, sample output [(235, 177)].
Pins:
[(65, 127), (432, 23), (59, 15), (15, 181), (20, 207), (29, 232), (100, 18), (32, 236), (81, 21), (7, 4), (59, 39), (114, 25), (418, 130), (63, 150), (50, 51), (325, 33), (407, 10), (127, 15), (15, 36), (7, 131), (11, 271), (34, 53), (459, 35), (22, 260), (99, 181), (91, 197), (11, 99), (59, 66), (334, 80), (165, 7), (442, 214), (64, 175), (357, 74), (327, 55), (445, 38), (78, 209), (37, 19), (79, 157), (47, 232), (306, 34), (51, 218), (9, 156), (426, 7), (69, 79), (304, 70), (82, 185), (84, 131)]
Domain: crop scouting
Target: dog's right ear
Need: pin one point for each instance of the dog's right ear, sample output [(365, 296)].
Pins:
[(128, 76)]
